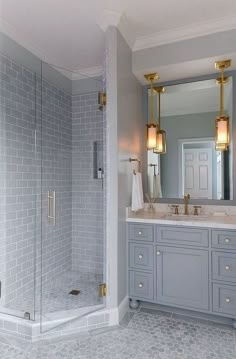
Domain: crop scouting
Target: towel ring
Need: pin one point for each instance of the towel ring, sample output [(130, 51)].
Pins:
[(153, 165), (139, 164)]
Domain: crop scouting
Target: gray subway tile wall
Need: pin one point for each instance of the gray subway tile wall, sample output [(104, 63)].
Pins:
[(62, 141), (88, 200)]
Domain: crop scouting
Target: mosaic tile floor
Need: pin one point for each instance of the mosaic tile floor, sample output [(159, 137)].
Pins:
[(147, 335), (56, 295)]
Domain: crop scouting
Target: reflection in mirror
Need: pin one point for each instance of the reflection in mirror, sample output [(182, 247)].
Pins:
[(191, 163)]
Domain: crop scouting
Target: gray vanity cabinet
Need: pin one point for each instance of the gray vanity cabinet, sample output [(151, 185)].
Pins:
[(182, 277), (192, 268)]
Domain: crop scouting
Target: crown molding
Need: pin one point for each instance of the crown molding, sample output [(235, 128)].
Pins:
[(185, 33), (118, 20), (87, 73)]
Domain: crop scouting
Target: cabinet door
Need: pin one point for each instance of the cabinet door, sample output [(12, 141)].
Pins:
[(182, 277)]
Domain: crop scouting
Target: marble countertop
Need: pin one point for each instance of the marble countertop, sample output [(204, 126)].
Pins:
[(209, 221)]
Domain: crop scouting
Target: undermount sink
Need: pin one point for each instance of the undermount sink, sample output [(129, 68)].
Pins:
[(183, 217)]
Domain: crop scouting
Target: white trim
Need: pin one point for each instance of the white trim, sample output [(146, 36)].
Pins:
[(123, 308), (89, 72), (185, 33), (181, 141), (118, 20)]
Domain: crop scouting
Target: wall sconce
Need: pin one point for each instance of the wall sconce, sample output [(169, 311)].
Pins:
[(161, 134), (222, 122), (151, 126)]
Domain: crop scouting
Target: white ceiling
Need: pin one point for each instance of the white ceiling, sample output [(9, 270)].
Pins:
[(66, 32), (194, 98)]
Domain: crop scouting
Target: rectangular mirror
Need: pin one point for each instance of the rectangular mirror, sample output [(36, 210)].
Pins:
[(191, 163)]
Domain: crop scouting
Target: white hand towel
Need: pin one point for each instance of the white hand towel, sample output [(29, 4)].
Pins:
[(157, 193), (137, 192)]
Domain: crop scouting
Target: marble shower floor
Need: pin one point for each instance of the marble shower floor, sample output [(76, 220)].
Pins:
[(142, 335), (56, 295)]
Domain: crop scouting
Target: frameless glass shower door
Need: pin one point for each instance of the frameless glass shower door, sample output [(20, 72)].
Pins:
[(19, 187), (73, 198)]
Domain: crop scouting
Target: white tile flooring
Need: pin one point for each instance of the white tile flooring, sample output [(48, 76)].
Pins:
[(148, 335), (56, 297)]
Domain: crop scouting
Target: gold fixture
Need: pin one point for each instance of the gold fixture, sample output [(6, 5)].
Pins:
[(161, 134), (222, 121), (176, 208), (186, 199), (196, 212), (151, 126), (102, 290), (102, 100), (51, 216)]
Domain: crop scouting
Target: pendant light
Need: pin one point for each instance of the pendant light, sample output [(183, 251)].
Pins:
[(222, 121), (161, 134), (151, 126)]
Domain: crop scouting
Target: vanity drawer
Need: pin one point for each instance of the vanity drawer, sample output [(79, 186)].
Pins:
[(187, 236), (224, 266), (141, 285), (224, 239), (141, 256), (141, 232), (224, 299)]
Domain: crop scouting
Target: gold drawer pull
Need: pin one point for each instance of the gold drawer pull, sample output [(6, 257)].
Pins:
[(227, 300), (140, 256), (140, 285), (227, 267)]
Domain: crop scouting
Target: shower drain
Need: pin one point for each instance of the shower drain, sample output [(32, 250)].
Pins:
[(75, 292)]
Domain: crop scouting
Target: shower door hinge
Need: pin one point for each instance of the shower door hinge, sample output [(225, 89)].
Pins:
[(102, 290)]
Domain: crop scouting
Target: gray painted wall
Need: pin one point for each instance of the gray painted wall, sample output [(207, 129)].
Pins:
[(181, 127), (125, 139), (87, 85), (204, 47)]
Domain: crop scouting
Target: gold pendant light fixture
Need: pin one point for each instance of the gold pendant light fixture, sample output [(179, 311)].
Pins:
[(161, 134), (151, 126), (222, 121)]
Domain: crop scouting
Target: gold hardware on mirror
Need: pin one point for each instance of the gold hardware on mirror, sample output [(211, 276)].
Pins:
[(102, 100), (161, 134), (102, 290), (151, 126), (222, 121)]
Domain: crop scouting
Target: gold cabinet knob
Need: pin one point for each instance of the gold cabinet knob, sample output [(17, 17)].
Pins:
[(140, 285), (158, 253), (227, 267), (227, 240), (140, 256), (227, 300)]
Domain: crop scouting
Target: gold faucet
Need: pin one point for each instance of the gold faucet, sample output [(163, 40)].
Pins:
[(186, 199)]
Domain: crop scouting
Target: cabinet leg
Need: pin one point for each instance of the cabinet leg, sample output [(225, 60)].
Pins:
[(134, 304), (234, 323)]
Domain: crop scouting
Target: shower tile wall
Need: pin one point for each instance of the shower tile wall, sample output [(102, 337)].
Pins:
[(87, 193), (18, 180)]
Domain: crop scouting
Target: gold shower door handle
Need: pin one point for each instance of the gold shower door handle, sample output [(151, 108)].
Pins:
[(51, 215)]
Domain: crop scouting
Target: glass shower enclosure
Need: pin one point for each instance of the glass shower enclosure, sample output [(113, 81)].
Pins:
[(52, 143)]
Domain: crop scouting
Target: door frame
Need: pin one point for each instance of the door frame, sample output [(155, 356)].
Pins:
[(181, 142)]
